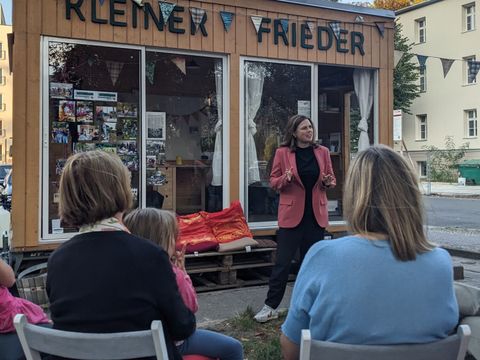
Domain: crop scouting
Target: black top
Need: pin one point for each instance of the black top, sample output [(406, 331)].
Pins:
[(113, 282), (308, 170)]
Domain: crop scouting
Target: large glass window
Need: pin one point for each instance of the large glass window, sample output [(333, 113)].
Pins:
[(273, 93), (184, 121), (92, 102)]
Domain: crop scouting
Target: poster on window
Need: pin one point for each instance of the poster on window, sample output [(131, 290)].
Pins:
[(84, 95), (303, 108), (66, 110), (60, 132), (127, 110), (105, 96), (85, 111), (156, 125), (61, 90)]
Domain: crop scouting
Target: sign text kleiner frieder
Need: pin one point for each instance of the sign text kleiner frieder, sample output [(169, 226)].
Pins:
[(117, 17)]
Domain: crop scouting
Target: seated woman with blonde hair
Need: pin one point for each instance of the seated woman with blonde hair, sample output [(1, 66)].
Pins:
[(103, 279), (385, 283)]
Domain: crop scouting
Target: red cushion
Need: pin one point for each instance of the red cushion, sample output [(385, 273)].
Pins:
[(193, 229), (201, 247), (229, 224), (196, 357)]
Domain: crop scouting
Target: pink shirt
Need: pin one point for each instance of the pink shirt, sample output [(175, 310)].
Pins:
[(185, 286), (10, 306)]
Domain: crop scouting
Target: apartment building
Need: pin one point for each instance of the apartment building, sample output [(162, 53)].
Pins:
[(6, 93), (449, 105)]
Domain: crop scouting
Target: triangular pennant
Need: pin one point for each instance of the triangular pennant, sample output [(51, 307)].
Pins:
[(227, 18), (150, 71), (380, 28), (114, 69), (422, 59), (284, 23), (138, 2), (397, 56), (197, 16), (359, 19), (181, 64), (257, 21), (446, 65), (101, 2), (311, 26), (166, 9), (473, 67), (335, 26)]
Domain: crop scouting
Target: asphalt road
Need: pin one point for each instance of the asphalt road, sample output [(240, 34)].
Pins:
[(452, 212)]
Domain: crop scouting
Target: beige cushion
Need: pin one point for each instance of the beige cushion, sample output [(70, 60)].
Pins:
[(468, 298), (239, 244)]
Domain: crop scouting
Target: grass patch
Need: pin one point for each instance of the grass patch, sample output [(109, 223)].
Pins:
[(260, 341)]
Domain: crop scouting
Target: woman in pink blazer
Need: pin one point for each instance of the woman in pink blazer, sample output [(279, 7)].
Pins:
[(301, 172)]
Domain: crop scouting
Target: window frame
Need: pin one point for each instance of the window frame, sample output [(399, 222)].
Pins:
[(471, 123), (422, 165), (468, 16), (422, 78), (43, 174), (421, 30), (422, 122), (466, 59)]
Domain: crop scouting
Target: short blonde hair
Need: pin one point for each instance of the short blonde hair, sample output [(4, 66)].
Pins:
[(159, 226), (94, 185), (382, 195)]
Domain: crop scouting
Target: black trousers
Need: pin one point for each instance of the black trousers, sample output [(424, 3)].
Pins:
[(303, 236)]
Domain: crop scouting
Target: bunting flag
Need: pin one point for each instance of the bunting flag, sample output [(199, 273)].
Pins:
[(101, 2), (446, 65), (284, 23), (138, 2), (114, 69), (422, 59), (311, 26), (335, 26), (359, 19), (150, 71), (380, 28), (257, 21), (181, 64), (166, 9), (397, 56), (197, 16), (227, 18), (473, 67)]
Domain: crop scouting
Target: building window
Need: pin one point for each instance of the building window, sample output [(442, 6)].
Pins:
[(422, 168), (466, 79), (421, 30), (469, 17), (471, 122), (423, 78), (421, 127)]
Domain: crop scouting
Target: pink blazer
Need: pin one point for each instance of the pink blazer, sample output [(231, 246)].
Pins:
[(292, 194)]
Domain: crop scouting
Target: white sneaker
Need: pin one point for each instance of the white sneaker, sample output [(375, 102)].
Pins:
[(266, 314)]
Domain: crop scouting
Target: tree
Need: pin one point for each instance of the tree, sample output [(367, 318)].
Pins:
[(405, 75), (444, 163), (394, 4)]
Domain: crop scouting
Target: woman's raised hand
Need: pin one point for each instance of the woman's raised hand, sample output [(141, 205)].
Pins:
[(289, 174)]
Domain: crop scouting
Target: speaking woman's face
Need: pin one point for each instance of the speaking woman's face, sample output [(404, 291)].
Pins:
[(304, 132)]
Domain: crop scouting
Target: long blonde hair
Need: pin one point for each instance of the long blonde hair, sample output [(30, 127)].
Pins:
[(159, 226), (382, 195)]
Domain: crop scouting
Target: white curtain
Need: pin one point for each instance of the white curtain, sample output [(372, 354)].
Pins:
[(217, 179), (255, 76), (363, 83)]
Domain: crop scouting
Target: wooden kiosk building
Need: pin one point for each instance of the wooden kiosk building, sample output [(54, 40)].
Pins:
[(193, 96)]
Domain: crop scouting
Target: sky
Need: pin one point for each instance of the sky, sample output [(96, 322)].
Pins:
[(7, 8)]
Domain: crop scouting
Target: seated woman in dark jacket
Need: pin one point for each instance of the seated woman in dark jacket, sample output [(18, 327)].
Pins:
[(104, 279)]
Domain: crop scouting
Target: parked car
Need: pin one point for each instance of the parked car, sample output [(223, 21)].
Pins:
[(6, 195), (4, 170)]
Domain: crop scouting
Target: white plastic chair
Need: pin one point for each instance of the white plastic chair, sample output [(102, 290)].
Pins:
[(453, 347), (75, 345)]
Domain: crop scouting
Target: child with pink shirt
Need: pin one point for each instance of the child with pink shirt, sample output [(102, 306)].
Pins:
[(160, 226)]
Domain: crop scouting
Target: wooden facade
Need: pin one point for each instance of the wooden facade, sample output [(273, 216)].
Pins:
[(34, 19)]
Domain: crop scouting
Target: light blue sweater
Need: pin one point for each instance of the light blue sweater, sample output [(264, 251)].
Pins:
[(353, 290)]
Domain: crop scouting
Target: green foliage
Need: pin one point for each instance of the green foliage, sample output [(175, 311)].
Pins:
[(444, 163), (405, 75), (244, 321)]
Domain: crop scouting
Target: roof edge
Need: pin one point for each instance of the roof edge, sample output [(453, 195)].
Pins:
[(416, 6), (325, 4)]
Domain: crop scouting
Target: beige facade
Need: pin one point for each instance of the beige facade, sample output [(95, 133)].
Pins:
[(6, 94), (448, 106)]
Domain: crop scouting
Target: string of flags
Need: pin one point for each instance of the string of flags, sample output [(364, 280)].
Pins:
[(473, 66)]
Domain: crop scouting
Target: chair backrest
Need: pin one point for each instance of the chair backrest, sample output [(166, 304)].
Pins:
[(453, 347), (75, 345)]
